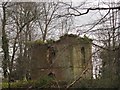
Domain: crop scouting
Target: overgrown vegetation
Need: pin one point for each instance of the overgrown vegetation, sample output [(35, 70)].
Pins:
[(40, 42), (40, 83), (35, 42), (47, 82), (97, 83)]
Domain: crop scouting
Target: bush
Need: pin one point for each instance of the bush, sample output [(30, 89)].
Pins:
[(43, 82), (18, 84)]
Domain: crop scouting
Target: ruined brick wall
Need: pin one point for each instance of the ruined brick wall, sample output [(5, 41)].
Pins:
[(71, 56), (39, 63)]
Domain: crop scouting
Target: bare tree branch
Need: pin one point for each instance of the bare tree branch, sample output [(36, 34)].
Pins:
[(87, 10)]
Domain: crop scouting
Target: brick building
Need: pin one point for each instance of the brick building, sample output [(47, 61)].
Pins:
[(65, 58)]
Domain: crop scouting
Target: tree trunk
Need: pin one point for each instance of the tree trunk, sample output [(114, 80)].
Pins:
[(5, 42)]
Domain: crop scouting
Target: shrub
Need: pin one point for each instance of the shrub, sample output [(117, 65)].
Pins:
[(43, 82), (18, 84)]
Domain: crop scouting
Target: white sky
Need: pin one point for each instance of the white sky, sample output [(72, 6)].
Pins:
[(92, 15)]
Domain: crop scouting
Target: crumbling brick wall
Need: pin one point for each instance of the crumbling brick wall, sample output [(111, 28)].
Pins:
[(66, 58)]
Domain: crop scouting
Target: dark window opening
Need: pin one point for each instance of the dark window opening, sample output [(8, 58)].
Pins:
[(83, 55), (51, 54)]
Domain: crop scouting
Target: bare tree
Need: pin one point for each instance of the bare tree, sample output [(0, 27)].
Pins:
[(49, 22), (20, 16), (5, 45)]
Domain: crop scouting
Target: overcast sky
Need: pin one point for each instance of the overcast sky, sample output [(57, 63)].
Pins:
[(92, 15)]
